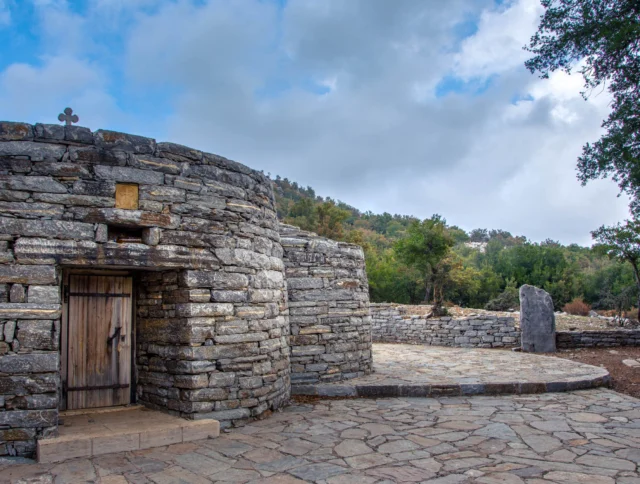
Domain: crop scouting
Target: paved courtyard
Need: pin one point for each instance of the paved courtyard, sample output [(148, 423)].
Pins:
[(590, 436), (417, 370)]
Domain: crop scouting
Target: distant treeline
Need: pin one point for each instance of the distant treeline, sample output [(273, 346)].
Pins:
[(479, 275)]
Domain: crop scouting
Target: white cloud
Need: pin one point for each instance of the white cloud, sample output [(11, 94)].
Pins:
[(38, 94), (379, 139), (497, 46), (5, 13)]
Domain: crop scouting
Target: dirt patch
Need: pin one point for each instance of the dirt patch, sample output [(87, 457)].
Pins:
[(625, 379)]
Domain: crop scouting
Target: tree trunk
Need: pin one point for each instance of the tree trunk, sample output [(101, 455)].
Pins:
[(637, 278), (427, 294)]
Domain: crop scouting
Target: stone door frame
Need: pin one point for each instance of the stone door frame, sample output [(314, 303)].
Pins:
[(64, 324)]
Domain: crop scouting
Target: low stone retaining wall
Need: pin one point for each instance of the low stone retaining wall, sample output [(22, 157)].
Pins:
[(392, 323), (602, 339), (397, 323)]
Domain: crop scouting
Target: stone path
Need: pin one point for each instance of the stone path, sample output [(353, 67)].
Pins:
[(422, 371), (590, 436)]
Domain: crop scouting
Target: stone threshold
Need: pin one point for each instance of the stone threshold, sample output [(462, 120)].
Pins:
[(344, 389), (90, 433)]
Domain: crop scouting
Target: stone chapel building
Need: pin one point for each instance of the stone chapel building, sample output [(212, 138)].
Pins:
[(136, 272)]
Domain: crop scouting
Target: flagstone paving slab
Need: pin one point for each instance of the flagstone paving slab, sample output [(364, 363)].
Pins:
[(590, 436), (402, 370)]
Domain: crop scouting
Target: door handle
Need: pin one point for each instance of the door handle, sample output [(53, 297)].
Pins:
[(115, 335)]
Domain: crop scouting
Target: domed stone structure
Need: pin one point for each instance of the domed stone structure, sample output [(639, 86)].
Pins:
[(134, 271)]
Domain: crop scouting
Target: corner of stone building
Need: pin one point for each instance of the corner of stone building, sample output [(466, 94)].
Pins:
[(329, 315)]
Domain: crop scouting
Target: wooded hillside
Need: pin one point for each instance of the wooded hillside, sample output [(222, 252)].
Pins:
[(483, 268)]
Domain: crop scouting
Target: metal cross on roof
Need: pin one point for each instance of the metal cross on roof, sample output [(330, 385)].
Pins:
[(68, 117)]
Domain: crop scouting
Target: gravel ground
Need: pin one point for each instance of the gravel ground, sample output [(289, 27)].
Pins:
[(625, 379)]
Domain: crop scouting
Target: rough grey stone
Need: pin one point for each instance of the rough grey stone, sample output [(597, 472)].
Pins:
[(28, 274), (29, 363), (32, 210), (43, 295), (46, 228), (17, 293), (34, 151), (37, 334), (31, 184), (29, 311), (128, 218), (129, 175), (102, 188), (78, 134), (9, 331), (151, 235), (75, 200), (49, 131), (15, 131), (116, 141), (60, 169), (537, 320), (215, 280), (29, 418)]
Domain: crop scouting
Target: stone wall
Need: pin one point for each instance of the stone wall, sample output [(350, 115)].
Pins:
[(392, 323), (328, 307), (603, 339), (212, 333)]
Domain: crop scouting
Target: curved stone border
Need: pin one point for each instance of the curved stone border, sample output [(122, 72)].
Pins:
[(452, 390), (402, 370)]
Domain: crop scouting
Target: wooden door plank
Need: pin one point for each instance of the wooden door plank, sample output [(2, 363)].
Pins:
[(94, 359)]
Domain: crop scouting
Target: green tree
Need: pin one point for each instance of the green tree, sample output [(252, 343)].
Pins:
[(600, 39), (330, 220), (303, 214), (425, 246), (621, 242)]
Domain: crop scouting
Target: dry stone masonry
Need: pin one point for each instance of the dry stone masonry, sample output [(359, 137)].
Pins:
[(599, 339), (203, 245), (328, 308), (393, 323)]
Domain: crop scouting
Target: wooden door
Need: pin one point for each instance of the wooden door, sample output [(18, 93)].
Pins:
[(99, 341)]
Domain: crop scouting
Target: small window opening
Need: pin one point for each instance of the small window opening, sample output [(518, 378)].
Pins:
[(124, 234)]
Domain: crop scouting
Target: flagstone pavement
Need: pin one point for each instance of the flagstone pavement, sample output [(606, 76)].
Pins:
[(589, 436), (404, 370)]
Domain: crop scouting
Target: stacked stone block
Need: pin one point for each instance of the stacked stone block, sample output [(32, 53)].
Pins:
[(204, 359), (393, 323), (207, 224), (597, 339), (328, 308), (29, 360)]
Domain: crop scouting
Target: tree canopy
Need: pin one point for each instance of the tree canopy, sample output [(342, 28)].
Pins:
[(599, 39), (468, 274), (425, 247), (622, 242)]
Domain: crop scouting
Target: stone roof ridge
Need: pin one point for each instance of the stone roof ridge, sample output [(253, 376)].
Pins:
[(119, 141)]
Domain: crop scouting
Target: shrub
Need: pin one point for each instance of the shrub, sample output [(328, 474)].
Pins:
[(508, 299), (577, 307)]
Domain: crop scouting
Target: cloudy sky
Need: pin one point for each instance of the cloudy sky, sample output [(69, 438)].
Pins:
[(409, 106)]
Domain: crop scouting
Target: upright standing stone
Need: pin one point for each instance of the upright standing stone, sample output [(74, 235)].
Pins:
[(537, 320)]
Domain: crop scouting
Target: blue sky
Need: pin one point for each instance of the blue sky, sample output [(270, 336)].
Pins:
[(413, 107), (28, 43)]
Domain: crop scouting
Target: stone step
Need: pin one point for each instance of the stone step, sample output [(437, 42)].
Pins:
[(94, 433)]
